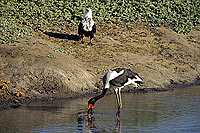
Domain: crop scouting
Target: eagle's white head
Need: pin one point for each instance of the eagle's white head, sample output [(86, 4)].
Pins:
[(87, 21)]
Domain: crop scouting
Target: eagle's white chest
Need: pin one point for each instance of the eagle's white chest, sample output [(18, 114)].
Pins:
[(87, 24)]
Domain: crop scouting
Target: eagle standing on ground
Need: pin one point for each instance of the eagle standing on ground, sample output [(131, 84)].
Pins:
[(87, 26)]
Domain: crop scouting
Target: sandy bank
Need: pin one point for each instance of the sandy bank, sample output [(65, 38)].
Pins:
[(53, 66)]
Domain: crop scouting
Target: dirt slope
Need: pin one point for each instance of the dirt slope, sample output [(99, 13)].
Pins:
[(55, 64)]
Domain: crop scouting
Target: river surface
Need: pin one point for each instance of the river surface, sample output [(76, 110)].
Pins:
[(172, 111)]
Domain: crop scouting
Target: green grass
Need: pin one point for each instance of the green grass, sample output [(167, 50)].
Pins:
[(19, 18)]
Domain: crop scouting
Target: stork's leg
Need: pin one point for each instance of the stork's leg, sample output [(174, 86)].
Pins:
[(119, 101), (120, 98), (117, 96)]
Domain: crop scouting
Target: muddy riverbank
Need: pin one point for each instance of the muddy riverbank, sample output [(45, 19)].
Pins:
[(54, 64)]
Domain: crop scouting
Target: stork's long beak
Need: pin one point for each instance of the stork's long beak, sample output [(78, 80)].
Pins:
[(90, 107)]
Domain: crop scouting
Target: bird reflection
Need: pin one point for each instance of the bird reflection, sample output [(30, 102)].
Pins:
[(93, 128), (85, 123), (91, 125), (118, 123)]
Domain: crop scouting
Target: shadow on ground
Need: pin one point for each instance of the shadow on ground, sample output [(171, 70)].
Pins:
[(63, 36)]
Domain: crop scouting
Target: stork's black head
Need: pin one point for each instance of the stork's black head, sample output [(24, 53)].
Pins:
[(91, 103), (93, 100)]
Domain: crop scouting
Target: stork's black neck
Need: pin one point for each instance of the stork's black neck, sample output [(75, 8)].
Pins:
[(96, 98)]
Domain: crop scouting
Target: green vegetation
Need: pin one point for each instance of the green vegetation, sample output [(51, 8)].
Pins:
[(20, 17)]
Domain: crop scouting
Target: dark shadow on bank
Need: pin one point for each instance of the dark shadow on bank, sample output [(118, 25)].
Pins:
[(62, 36)]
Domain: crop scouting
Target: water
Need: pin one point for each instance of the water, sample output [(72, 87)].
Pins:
[(172, 111)]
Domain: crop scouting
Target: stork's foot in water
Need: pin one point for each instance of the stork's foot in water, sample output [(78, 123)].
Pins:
[(118, 111), (118, 114)]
